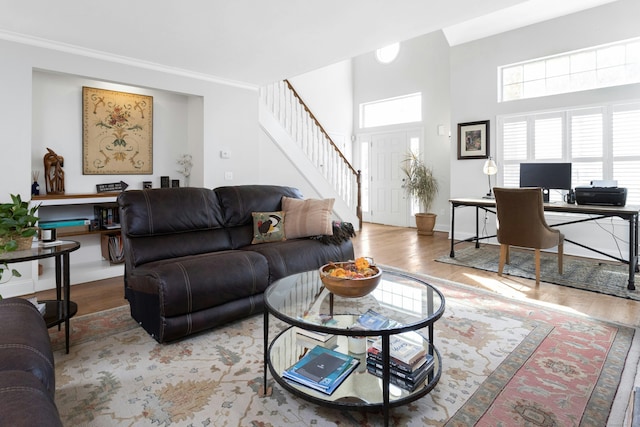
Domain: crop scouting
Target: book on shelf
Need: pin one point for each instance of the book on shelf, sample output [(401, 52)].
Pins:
[(308, 342), (404, 383), (108, 217), (314, 335), (65, 231), (42, 307), (373, 320), (401, 349), (62, 223), (50, 244), (411, 375), (317, 319), (321, 369)]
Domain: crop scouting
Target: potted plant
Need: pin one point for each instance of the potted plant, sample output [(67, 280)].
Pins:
[(17, 228), (422, 185)]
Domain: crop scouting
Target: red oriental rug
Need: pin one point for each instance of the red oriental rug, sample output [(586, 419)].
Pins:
[(505, 363)]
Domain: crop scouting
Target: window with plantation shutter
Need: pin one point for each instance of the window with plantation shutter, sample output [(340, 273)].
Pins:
[(602, 143), (514, 134), (548, 137), (625, 138), (586, 132)]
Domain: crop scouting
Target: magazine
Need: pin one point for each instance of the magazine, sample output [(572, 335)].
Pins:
[(322, 369)]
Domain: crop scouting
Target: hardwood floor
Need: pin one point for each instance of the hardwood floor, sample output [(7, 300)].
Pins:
[(403, 248)]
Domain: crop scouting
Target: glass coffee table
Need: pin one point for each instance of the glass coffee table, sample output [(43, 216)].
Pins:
[(300, 300)]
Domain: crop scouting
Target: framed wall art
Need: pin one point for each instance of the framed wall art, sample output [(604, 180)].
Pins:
[(117, 132), (473, 140)]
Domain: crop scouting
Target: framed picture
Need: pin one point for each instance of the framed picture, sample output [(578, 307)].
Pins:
[(473, 140), (117, 133)]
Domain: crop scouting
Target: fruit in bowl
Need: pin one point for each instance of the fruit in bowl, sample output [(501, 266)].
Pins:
[(351, 279)]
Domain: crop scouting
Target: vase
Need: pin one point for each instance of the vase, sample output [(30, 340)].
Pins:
[(425, 223)]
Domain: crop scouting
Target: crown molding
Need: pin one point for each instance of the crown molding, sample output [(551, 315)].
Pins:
[(104, 56)]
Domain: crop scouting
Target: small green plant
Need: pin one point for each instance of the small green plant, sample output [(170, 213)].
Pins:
[(17, 219), (420, 182)]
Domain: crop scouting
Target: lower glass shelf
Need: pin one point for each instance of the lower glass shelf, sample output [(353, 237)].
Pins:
[(55, 313), (359, 389)]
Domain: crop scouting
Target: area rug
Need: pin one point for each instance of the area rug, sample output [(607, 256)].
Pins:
[(580, 273), (505, 362)]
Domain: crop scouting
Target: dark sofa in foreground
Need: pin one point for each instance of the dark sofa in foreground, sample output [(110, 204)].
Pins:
[(27, 374), (190, 263)]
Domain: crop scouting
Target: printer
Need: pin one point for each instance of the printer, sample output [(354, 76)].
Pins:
[(605, 193)]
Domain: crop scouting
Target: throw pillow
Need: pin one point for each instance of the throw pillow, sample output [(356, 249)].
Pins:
[(310, 217), (268, 227)]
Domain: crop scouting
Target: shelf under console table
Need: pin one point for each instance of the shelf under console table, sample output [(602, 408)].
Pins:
[(62, 309)]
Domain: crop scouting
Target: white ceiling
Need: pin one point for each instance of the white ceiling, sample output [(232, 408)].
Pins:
[(257, 41)]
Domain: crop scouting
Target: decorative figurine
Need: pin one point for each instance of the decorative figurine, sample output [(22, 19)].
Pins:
[(53, 173)]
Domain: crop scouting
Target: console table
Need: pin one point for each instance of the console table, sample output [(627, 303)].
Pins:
[(593, 213), (62, 309), (411, 302)]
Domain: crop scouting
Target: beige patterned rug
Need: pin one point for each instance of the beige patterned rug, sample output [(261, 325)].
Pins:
[(504, 363)]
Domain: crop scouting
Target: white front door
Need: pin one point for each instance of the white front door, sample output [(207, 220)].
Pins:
[(388, 202)]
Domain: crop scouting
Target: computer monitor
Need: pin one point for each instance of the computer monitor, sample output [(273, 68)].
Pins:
[(548, 176)]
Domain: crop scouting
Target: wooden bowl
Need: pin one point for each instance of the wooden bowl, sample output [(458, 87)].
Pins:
[(349, 288)]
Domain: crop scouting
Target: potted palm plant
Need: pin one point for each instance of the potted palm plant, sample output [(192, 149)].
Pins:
[(422, 185), (17, 228)]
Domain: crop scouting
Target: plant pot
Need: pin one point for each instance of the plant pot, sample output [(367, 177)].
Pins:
[(425, 223), (24, 243)]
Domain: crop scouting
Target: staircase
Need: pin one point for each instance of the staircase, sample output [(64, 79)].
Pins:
[(292, 126)]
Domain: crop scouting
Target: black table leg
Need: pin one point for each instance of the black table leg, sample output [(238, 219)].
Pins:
[(265, 391), (67, 297), (453, 226), (477, 227), (633, 251), (386, 377)]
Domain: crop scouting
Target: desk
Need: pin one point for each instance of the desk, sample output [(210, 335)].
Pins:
[(627, 213), (62, 309)]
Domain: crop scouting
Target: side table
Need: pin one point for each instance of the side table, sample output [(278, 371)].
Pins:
[(62, 309)]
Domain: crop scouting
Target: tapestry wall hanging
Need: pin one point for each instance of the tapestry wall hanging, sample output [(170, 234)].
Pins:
[(117, 132)]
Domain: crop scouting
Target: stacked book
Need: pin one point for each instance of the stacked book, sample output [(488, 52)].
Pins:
[(310, 339), (108, 217), (66, 226), (321, 369), (409, 362)]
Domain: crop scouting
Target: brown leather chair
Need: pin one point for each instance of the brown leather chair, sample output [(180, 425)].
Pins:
[(521, 223)]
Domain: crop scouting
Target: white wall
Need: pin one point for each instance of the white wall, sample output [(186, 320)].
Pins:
[(57, 124), (216, 116), (474, 97), (329, 94), (422, 65)]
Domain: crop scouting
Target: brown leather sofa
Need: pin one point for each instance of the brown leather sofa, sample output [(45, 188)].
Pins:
[(27, 374), (189, 261)]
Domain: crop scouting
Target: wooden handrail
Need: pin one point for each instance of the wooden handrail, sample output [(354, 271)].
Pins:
[(356, 173)]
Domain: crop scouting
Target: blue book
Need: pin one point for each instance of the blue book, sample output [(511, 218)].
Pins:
[(63, 223), (373, 320), (322, 369)]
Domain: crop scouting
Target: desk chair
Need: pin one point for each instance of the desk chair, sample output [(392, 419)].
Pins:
[(521, 222)]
